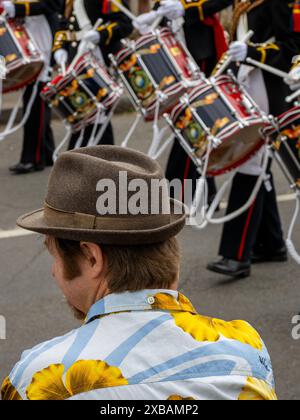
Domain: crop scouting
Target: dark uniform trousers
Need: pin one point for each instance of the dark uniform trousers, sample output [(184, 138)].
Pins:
[(38, 141), (108, 137), (259, 230)]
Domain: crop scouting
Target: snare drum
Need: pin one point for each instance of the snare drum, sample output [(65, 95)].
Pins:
[(220, 110), (82, 93), (24, 62), (285, 139), (156, 70)]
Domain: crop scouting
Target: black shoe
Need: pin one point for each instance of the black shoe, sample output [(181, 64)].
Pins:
[(232, 268), (279, 256), (26, 168)]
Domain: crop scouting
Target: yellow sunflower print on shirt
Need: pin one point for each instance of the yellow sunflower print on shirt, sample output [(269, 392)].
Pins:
[(204, 328), (166, 302), (85, 375), (208, 329), (9, 392), (257, 390), (179, 398)]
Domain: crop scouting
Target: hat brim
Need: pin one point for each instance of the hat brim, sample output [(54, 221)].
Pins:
[(35, 222)]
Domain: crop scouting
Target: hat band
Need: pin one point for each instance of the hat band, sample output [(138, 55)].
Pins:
[(62, 219)]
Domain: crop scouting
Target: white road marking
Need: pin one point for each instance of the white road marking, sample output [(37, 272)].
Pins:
[(18, 232), (14, 233), (286, 198)]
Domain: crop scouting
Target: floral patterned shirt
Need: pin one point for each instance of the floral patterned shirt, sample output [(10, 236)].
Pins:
[(149, 345)]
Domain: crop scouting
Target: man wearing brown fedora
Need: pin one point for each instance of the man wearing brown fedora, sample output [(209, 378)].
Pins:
[(119, 270)]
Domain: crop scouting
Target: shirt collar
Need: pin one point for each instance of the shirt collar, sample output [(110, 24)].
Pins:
[(145, 300)]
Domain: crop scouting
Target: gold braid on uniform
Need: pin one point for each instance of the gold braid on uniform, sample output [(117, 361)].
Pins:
[(68, 8), (240, 8)]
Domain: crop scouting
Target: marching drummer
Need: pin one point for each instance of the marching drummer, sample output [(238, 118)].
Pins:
[(205, 39), (76, 23), (41, 18), (256, 236)]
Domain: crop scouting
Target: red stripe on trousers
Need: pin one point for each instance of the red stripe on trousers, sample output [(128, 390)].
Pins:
[(41, 133), (245, 233), (185, 176)]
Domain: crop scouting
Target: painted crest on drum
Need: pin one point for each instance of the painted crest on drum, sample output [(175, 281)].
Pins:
[(193, 131), (140, 81), (85, 91), (156, 71), (75, 95)]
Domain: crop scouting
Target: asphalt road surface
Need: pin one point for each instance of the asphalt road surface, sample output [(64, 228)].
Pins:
[(35, 310)]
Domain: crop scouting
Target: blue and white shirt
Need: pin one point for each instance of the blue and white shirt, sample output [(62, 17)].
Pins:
[(148, 345)]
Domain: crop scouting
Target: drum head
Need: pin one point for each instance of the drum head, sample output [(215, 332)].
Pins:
[(22, 76), (236, 150)]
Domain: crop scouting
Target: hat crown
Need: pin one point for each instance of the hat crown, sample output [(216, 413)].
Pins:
[(79, 178), (83, 180)]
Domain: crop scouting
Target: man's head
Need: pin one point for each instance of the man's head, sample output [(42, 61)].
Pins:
[(86, 272), (97, 252)]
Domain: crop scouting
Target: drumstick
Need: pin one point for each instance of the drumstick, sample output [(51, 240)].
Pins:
[(267, 68), (123, 9), (63, 69), (82, 46), (228, 61), (292, 97), (133, 17)]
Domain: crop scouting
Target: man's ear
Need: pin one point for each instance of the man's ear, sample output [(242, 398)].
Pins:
[(94, 255)]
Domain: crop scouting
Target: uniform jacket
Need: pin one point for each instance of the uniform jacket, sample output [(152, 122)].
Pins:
[(115, 26), (148, 345), (199, 35), (48, 8)]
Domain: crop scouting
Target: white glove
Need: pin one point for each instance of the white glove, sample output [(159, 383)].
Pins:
[(92, 36), (294, 78), (61, 57), (147, 19), (238, 51), (171, 9), (9, 8), (143, 29)]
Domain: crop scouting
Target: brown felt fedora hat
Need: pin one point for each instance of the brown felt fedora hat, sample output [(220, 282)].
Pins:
[(76, 206)]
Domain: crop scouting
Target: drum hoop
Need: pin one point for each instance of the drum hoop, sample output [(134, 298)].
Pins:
[(223, 78), (101, 71), (234, 127), (121, 56), (61, 84), (111, 99), (144, 40), (284, 120), (22, 62), (152, 36)]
